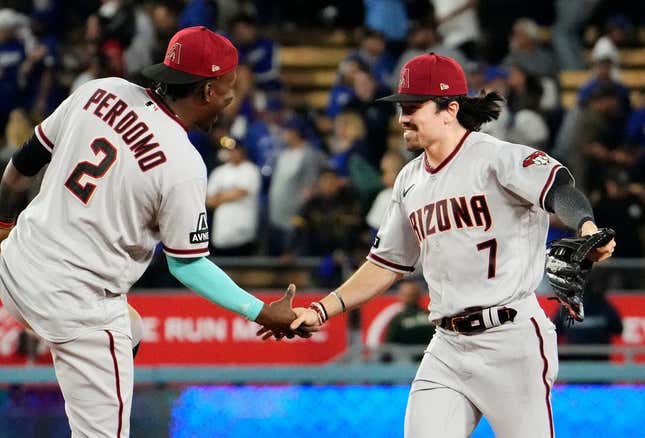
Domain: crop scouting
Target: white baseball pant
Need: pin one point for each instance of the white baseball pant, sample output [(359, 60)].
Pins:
[(95, 374), (504, 373)]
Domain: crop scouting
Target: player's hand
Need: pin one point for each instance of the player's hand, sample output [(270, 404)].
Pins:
[(277, 315), (307, 320), (303, 331), (601, 253)]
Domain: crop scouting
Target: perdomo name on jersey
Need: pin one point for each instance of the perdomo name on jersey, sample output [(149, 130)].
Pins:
[(145, 149)]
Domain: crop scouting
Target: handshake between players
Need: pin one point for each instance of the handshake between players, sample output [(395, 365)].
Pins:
[(280, 319)]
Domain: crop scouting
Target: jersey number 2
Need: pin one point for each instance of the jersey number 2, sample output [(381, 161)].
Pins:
[(85, 191), (492, 255)]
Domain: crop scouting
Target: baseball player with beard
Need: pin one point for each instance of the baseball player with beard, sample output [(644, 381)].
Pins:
[(122, 176), (473, 209)]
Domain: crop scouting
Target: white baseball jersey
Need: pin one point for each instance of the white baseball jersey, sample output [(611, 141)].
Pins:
[(123, 176), (476, 221), (235, 223)]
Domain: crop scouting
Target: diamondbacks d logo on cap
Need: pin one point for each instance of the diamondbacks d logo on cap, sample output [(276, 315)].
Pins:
[(174, 53), (404, 83)]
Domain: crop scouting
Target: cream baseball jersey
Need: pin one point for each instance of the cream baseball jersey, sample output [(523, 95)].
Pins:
[(476, 222), (123, 176)]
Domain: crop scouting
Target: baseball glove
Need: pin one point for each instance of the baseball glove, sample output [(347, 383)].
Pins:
[(567, 268)]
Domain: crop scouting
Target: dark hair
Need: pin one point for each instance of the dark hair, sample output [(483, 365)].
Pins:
[(178, 91), (473, 111)]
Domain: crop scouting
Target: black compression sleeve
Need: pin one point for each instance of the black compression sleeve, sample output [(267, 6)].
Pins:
[(567, 202), (31, 157)]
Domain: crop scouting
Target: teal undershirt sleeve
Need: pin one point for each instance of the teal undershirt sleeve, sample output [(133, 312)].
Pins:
[(209, 281)]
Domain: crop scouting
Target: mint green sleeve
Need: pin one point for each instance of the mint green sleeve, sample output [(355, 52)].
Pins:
[(209, 281)]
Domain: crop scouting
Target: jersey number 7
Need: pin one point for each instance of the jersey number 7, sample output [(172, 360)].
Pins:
[(85, 191), (492, 255)]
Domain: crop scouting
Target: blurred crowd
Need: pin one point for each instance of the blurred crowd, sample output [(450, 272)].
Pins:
[(290, 181)]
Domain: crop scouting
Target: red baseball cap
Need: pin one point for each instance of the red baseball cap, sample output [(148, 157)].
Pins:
[(193, 54), (429, 75)]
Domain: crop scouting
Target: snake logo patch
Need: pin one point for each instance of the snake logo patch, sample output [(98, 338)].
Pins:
[(538, 158)]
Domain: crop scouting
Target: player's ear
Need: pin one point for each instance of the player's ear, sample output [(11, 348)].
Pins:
[(208, 91), (451, 111)]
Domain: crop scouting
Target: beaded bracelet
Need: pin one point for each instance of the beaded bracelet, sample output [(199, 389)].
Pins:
[(320, 311)]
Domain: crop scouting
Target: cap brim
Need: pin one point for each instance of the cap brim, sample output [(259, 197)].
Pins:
[(399, 97), (162, 73)]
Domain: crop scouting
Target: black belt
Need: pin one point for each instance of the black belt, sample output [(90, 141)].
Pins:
[(476, 320)]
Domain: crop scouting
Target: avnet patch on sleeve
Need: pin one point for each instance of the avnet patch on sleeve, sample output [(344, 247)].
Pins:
[(200, 235)]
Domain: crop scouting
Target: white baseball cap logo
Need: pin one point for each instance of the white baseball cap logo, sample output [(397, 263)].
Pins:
[(215, 68), (443, 86), (174, 53), (405, 78)]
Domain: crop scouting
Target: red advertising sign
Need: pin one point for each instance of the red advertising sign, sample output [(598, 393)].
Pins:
[(182, 328), (377, 314)]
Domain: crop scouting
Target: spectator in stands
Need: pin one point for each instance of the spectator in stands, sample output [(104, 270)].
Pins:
[(587, 140), (424, 38), (411, 326), (624, 210), (43, 91), (376, 115), (525, 50), (602, 322), (389, 17), (19, 129), (602, 76), (618, 29), (342, 92), (458, 25), (139, 52), (96, 66), (112, 28), (476, 77), (328, 226), (391, 163), (164, 18), (571, 15), (292, 183), (347, 156), (526, 124), (635, 140), (232, 192), (12, 59), (258, 52), (263, 139), (198, 13), (372, 53)]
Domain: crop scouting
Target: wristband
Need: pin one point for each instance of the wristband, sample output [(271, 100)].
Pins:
[(340, 300), (320, 311)]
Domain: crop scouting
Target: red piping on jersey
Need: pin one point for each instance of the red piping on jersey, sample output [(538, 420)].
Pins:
[(185, 251), (47, 141), (118, 384), (389, 263), (165, 108), (446, 160), (547, 184), (544, 371)]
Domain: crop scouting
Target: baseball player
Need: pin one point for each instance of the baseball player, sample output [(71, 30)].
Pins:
[(473, 210), (122, 176)]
